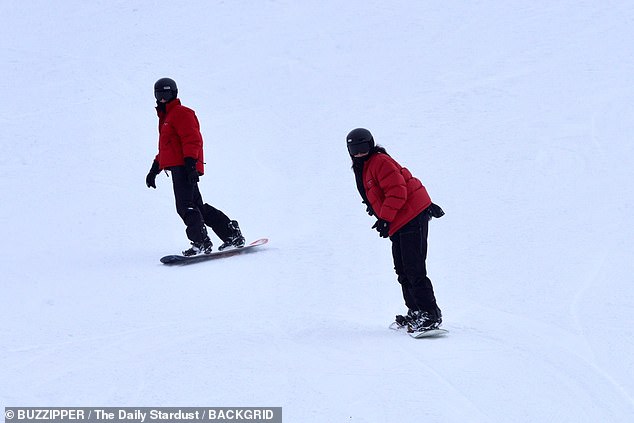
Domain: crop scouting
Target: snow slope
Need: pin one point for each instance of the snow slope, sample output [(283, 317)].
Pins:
[(517, 116)]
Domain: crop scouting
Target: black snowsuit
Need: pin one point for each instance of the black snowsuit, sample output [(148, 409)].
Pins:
[(195, 213), (409, 251)]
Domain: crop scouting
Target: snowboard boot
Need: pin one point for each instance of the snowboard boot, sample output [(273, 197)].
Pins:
[(401, 321), (201, 247), (422, 321), (235, 239)]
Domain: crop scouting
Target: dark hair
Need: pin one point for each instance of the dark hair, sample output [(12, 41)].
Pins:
[(357, 168)]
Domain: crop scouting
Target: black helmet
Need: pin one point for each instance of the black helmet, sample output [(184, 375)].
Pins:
[(165, 89), (359, 141)]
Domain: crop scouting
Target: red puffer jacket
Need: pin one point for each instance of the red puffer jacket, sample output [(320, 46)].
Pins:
[(394, 194), (179, 136)]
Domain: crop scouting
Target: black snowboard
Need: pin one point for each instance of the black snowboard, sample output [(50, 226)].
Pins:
[(182, 260)]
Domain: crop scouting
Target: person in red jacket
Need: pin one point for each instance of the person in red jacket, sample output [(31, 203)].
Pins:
[(181, 153), (403, 209)]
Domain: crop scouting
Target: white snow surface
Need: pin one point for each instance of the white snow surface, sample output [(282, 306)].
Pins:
[(517, 116)]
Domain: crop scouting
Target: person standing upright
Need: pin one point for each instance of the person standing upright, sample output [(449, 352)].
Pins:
[(180, 151)]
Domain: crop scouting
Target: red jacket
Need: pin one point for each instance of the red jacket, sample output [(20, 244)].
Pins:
[(179, 136), (394, 194)]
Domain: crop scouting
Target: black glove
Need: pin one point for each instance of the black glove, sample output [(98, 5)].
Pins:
[(382, 227), (150, 179), (190, 168), (435, 211)]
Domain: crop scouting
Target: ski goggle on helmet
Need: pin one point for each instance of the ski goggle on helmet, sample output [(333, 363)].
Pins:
[(359, 141), (165, 89)]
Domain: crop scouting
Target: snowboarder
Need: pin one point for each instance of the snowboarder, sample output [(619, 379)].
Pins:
[(403, 209), (180, 151)]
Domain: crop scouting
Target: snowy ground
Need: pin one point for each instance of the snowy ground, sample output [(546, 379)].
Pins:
[(517, 116)]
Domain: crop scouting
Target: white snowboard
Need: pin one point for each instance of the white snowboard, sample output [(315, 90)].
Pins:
[(428, 333), (424, 334)]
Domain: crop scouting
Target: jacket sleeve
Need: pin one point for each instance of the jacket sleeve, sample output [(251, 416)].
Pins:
[(188, 129), (393, 186)]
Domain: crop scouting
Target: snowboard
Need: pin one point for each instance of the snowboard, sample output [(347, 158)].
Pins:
[(180, 260), (423, 334), (431, 333)]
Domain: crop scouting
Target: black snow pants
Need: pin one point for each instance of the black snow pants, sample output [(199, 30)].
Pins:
[(409, 250), (195, 213)]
